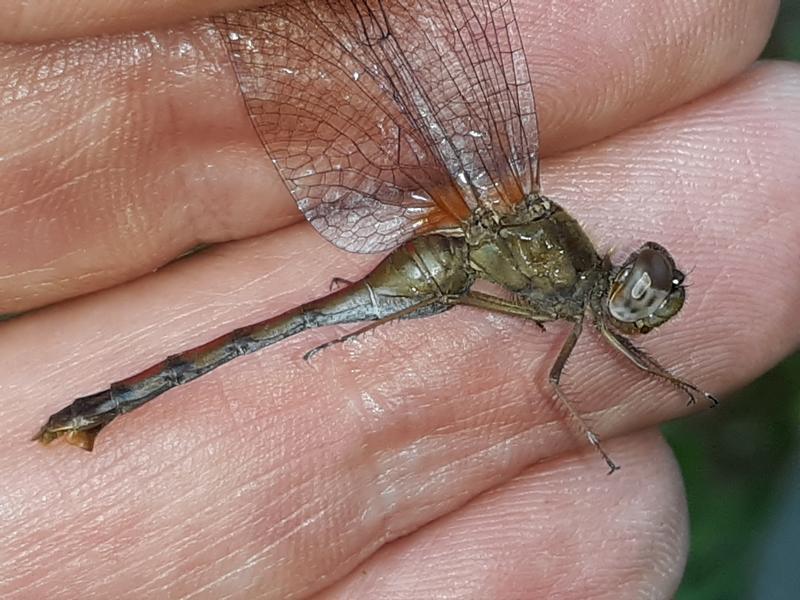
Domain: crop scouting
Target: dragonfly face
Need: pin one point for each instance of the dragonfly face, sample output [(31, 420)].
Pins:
[(646, 291)]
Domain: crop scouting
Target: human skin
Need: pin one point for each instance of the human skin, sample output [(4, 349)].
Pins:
[(425, 458)]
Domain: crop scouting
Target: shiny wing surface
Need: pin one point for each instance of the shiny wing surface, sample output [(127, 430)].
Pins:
[(389, 119)]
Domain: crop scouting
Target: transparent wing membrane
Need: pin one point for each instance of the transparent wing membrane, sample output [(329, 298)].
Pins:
[(388, 120)]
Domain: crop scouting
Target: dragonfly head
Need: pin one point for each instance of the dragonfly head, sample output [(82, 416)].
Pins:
[(646, 291)]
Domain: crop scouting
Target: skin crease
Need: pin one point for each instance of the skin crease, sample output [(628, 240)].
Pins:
[(272, 478)]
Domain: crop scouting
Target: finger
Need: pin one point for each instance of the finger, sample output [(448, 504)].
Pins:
[(108, 185), (39, 20), (121, 153), (264, 458), (562, 529), (601, 67), (623, 49)]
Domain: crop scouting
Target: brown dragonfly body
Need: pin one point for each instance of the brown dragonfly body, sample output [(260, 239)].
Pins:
[(412, 126)]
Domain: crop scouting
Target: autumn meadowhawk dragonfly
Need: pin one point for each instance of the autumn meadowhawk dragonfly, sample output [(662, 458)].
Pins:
[(410, 127)]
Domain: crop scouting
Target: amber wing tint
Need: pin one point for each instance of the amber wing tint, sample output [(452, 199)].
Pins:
[(388, 119)]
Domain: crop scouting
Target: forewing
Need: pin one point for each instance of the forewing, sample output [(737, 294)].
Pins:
[(388, 119)]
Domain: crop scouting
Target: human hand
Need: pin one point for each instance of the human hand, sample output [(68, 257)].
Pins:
[(270, 478)]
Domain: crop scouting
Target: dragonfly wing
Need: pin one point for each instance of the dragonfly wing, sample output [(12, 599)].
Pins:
[(461, 73), (387, 120)]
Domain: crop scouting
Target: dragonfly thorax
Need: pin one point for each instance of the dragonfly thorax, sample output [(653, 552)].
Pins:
[(539, 252)]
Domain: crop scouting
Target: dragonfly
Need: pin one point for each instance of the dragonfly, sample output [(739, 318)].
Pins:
[(409, 128)]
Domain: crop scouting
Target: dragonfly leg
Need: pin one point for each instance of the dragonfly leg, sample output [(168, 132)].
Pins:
[(555, 381), (503, 306), (391, 317), (649, 365)]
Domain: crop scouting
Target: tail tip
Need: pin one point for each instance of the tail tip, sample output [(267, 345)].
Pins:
[(75, 437)]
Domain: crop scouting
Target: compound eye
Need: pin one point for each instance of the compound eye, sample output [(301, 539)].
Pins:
[(642, 287), (654, 270)]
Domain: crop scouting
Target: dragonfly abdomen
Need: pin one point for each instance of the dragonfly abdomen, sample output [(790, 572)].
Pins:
[(411, 282)]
